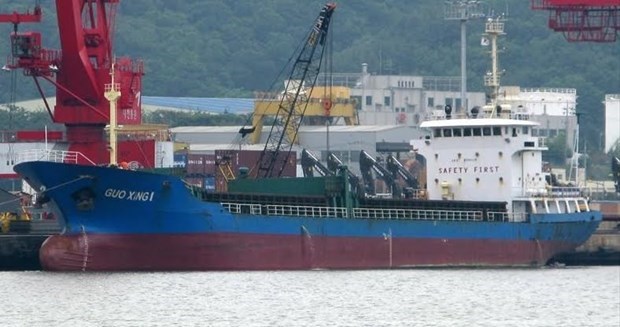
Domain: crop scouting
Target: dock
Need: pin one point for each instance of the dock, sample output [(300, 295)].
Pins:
[(603, 247)]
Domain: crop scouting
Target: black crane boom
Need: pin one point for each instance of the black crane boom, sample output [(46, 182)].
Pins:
[(294, 100)]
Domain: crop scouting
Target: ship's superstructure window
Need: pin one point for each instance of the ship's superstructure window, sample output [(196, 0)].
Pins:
[(368, 100), (477, 131), (456, 132), (497, 130), (526, 130), (467, 131), (486, 131), (447, 132), (430, 102), (514, 132), (386, 101), (437, 132)]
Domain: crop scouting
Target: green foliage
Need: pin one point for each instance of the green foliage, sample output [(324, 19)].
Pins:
[(218, 48), (21, 119), (193, 118)]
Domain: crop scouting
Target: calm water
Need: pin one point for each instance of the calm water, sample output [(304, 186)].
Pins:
[(570, 296)]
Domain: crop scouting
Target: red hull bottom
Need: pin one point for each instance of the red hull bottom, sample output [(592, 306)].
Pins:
[(280, 252)]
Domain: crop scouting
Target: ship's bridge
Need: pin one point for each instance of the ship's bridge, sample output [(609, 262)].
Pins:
[(487, 159)]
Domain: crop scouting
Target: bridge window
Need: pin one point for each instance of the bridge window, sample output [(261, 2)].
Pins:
[(447, 132), (456, 132), (477, 131), (467, 132), (497, 130), (486, 131), (437, 132)]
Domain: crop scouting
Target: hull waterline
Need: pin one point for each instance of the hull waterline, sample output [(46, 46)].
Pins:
[(274, 252)]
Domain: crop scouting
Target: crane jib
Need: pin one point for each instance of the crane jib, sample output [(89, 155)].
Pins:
[(322, 24), (283, 135)]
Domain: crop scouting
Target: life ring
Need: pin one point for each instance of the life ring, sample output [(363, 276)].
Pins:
[(402, 118)]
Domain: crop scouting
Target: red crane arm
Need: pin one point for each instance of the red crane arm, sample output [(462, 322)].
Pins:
[(85, 48), (80, 71), (583, 20), (27, 17)]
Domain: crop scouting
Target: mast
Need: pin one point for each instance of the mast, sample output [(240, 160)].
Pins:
[(112, 93), (493, 29)]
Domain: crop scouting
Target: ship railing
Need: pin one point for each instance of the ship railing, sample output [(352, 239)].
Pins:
[(361, 213), (514, 217), (456, 215), (247, 208), (52, 155), (565, 191), (284, 210), (305, 211), (554, 191)]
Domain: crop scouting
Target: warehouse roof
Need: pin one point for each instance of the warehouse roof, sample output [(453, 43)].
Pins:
[(213, 105)]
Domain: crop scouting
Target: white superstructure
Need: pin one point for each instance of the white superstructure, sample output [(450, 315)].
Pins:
[(491, 154), (485, 159)]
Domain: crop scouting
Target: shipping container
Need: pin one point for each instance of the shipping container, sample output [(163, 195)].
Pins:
[(200, 164), (180, 160), (209, 183)]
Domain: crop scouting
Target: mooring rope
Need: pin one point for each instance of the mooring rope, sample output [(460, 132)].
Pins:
[(66, 183)]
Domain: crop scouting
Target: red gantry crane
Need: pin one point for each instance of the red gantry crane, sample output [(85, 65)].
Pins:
[(583, 20), (80, 72)]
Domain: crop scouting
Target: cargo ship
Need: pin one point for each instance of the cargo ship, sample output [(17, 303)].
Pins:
[(482, 199), (486, 202)]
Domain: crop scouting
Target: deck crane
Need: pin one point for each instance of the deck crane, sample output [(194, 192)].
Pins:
[(398, 170), (334, 164), (367, 165), (80, 72), (310, 163), (295, 97)]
